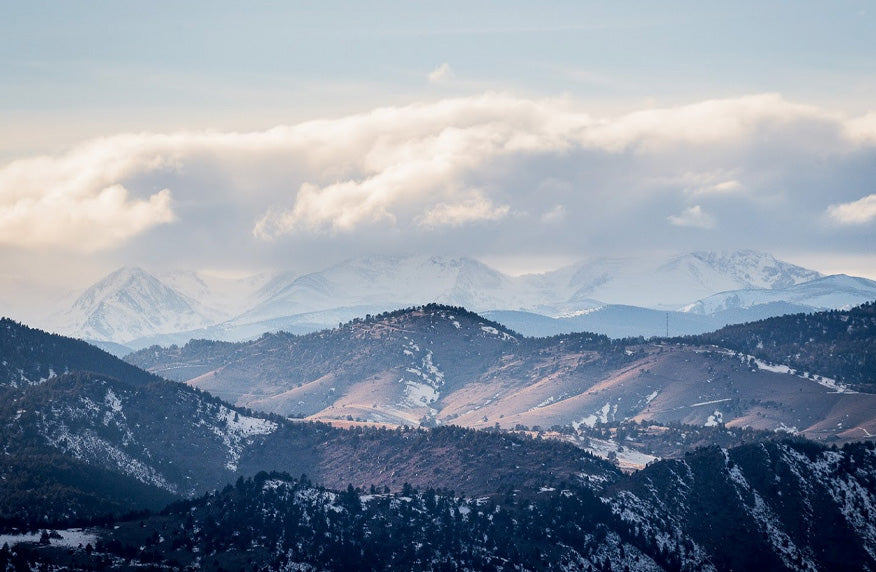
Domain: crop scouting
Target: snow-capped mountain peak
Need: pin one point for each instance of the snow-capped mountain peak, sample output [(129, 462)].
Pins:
[(134, 307), (386, 283), (128, 304), (667, 284), (828, 292), (750, 268)]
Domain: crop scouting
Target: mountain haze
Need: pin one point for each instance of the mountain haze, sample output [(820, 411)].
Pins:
[(671, 282), (701, 291)]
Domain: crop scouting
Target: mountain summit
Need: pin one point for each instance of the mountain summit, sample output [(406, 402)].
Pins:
[(128, 304), (613, 296), (679, 280), (388, 283)]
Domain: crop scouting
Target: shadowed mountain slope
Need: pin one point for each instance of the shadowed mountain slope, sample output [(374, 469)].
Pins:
[(774, 507)]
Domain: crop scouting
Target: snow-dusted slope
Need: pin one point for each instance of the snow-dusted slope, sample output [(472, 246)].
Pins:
[(388, 283), (135, 308), (385, 283), (764, 506), (831, 292), (221, 297), (669, 283), (128, 304)]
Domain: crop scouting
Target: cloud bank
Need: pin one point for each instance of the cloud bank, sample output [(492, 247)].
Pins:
[(472, 172)]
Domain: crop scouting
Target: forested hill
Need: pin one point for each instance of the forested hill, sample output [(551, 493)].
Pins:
[(777, 506), (31, 356), (840, 344)]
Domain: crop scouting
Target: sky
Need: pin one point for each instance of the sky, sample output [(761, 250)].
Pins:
[(237, 138)]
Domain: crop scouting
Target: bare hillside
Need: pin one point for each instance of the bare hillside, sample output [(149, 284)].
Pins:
[(441, 365)]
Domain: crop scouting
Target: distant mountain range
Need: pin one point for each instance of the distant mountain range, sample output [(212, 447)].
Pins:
[(684, 294), (731, 307)]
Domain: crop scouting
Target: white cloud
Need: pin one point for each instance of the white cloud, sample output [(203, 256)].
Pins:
[(703, 183), (694, 217), (86, 224), (423, 166), (414, 162), (419, 156), (76, 202), (856, 212), (862, 129), (718, 122), (442, 74), (724, 187), (475, 209)]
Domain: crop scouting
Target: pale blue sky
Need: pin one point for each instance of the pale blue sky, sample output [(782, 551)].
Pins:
[(138, 64), (599, 127)]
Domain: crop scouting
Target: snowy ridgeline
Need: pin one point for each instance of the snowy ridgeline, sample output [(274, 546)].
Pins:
[(132, 306)]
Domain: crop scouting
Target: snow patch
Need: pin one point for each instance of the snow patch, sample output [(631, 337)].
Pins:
[(710, 402), (419, 394), (627, 457), (715, 419), (577, 313), (602, 415), (495, 332), (423, 388), (236, 431), (546, 402), (830, 383), (782, 428), (112, 401)]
